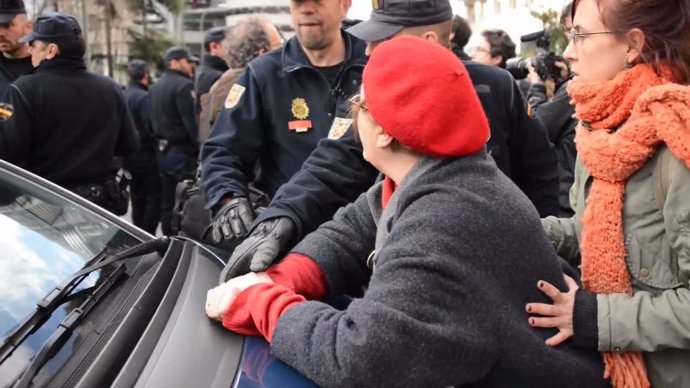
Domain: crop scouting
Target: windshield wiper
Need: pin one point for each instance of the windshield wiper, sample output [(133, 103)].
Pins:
[(61, 293)]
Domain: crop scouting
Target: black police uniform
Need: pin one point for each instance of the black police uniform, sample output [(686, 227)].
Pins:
[(278, 91), (145, 186), (11, 69), (67, 125), (336, 173), (175, 125), (212, 67)]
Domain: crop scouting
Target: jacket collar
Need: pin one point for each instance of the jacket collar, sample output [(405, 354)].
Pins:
[(137, 85), (61, 63), (214, 62), (294, 58), (176, 73)]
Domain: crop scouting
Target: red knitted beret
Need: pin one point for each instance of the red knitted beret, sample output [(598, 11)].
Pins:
[(420, 93)]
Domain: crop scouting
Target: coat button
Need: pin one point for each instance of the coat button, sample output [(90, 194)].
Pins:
[(644, 272), (618, 349)]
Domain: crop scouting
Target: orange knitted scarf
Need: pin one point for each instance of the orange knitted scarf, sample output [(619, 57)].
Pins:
[(623, 121)]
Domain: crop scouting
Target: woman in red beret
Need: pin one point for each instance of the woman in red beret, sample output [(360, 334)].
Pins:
[(439, 257)]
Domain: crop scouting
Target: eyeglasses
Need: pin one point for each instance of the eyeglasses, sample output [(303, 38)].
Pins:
[(356, 101), (578, 37)]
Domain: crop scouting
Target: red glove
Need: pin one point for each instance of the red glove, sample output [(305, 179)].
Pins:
[(257, 309), (300, 274)]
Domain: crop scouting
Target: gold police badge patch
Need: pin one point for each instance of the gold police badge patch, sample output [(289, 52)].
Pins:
[(234, 96), (300, 109), (6, 111)]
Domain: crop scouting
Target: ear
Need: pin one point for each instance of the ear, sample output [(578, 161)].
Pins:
[(383, 140), (28, 27), (430, 36), (344, 7), (53, 51), (497, 60), (636, 41)]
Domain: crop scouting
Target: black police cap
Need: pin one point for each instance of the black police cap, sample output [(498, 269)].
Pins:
[(137, 68), (9, 9), (177, 53), (53, 27), (215, 34), (388, 17)]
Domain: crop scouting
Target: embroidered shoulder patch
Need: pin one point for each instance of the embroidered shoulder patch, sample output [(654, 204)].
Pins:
[(339, 127), (6, 111), (234, 96)]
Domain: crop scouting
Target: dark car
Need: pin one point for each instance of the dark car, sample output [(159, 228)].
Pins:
[(88, 300)]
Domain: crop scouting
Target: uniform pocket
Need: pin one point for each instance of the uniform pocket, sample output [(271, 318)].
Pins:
[(654, 265)]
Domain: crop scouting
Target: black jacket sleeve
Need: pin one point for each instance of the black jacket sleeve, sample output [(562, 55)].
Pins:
[(334, 175), (557, 117), (184, 99), (533, 159), (128, 139), (16, 131), (229, 155)]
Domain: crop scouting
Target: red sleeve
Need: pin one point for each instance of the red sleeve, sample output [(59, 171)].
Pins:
[(300, 274), (257, 309)]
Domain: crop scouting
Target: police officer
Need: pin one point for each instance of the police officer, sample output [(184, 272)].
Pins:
[(145, 186), (336, 173), (175, 126), (213, 64), (15, 59), (276, 112), (64, 123)]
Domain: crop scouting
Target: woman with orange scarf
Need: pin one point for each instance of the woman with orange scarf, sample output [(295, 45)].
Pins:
[(631, 231)]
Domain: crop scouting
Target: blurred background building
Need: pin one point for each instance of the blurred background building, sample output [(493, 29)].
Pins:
[(118, 30)]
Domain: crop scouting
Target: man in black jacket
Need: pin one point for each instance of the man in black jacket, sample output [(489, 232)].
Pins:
[(15, 59), (175, 126), (145, 186), (336, 173), (64, 123), (213, 64)]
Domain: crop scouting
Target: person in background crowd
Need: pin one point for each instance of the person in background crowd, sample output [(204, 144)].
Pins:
[(213, 64), (175, 126), (16, 58), (460, 36), (145, 187), (48, 119), (276, 112), (445, 233), (630, 195), (243, 42), (556, 114), (494, 49), (335, 173)]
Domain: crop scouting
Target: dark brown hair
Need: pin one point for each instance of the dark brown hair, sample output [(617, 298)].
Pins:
[(665, 24), (500, 44)]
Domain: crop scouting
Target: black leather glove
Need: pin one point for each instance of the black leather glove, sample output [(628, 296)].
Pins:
[(263, 246), (233, 220)]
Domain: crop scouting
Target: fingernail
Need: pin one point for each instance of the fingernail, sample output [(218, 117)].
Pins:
[(531, 321), (548, 342), (540, 284), (529, 308)]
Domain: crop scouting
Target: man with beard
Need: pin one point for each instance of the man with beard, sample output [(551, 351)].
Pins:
[(15, 59), (276, 112)]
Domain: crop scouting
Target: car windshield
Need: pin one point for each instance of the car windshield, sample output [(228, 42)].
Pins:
[(44, 238)]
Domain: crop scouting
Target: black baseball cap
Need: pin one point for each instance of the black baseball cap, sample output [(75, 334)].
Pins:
[(9, 9), (388, 17), (53, 27), (137, 68), (215, 34), (177, 53)]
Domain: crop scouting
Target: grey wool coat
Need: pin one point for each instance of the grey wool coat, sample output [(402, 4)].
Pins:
[(459, 250)]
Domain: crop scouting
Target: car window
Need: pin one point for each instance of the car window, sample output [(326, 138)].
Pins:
[(44, 238)]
